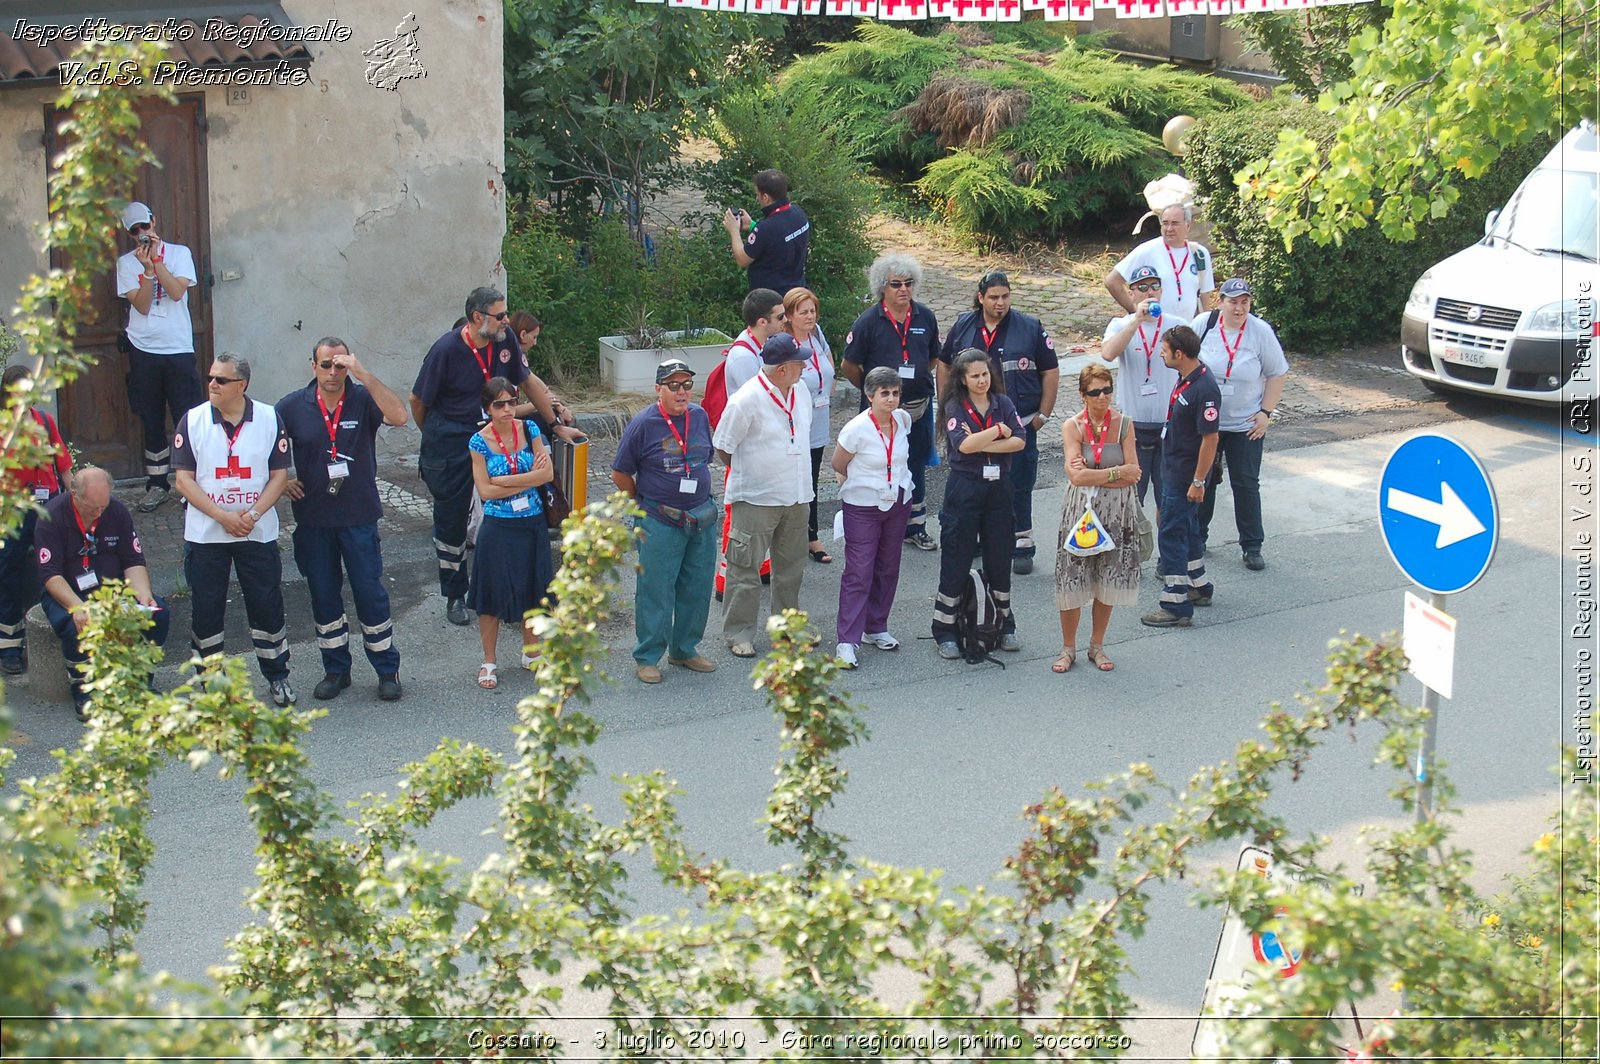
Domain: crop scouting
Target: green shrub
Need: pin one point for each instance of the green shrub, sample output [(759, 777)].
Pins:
[(1321, 297), (1009, 141), (759, 129)]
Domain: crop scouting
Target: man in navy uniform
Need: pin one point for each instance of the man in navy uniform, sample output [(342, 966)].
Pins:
[(1193, 412), (332, 425), (447, 404), (774, 250), (85, 538), (664, 462), (1022, 354), (902, 334)]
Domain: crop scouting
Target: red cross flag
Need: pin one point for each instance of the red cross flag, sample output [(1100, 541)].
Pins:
[(1127, 8), (842, 7), (901, 10), (941, 8), (1008, 10), (864, 8), (1186, 7), (1152, 9), (1035, 5), (972, 11), (811, 7), (1219, 7)]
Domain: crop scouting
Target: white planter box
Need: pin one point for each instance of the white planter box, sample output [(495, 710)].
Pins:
[(634, 370)]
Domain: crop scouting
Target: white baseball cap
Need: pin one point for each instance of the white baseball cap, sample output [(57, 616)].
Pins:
[(136, 213)]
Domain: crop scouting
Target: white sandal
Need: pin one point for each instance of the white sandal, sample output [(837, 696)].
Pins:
[(486, 676)]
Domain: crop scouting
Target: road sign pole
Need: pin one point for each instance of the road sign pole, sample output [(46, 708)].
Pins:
[(1430, 729)]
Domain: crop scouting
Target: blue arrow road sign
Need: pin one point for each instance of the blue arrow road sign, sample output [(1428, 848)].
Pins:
[(1437, 512)]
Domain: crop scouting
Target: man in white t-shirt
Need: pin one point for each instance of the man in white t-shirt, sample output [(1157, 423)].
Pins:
[(155, 278), (1187, 282)]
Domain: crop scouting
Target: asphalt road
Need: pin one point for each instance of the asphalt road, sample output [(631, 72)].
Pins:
[(957, 751)]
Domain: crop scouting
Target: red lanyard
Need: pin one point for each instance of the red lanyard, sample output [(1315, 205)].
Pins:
[(488, 351), (990, 335), (1177, 270), (1097, 446), (235, 437), (1234, 350), (773, 395), (776, 210), (1179, 390), (683, 441), (982, 422), (333, 424), (1150, 346), (888, 447), (86, 533), (512, 462), (816, 363), (905, 349)]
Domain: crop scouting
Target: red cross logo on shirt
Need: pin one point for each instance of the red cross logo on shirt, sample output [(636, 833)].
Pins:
[(233, 469)]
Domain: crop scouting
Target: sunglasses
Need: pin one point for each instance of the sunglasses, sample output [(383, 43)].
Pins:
[(1095, 393), (901, 284), (330, 364), (504, 315), (1152, 286), (677, 386), (214, 379), (501, 404)]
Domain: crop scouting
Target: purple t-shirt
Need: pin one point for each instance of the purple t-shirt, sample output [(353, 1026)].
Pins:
[(652, 453)]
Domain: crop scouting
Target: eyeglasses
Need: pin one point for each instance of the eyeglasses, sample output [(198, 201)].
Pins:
[(330, 364), (1095, 393), (900, 284), (677, 386), (1149, 286), (214, 379), (501, 404)]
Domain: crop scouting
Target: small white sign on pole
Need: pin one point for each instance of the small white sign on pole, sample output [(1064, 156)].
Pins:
[(1429, 639)]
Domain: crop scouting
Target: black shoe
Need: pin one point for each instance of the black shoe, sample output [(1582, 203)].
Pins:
[(389, 687), (80, 706), (330, 686), (1254, 561), (12, 664), (766, 579), (1022, 566), (455, 611)]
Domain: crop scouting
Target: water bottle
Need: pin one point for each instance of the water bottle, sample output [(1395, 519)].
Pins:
[(1155, 310)]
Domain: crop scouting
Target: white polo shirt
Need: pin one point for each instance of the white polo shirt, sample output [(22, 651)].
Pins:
[(769, 436)]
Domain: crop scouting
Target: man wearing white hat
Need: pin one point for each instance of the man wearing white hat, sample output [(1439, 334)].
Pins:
[(155, 278)]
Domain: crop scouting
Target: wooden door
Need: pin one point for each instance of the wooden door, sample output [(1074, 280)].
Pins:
[(95, 417)]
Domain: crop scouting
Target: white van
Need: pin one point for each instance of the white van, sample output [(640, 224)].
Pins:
[(1514, 314)]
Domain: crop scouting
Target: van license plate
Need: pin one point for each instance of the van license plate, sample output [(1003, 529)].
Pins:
[(1466, 356)]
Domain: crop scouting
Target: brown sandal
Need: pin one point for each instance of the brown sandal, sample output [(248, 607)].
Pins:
[(1097, 655), (1069, 657)]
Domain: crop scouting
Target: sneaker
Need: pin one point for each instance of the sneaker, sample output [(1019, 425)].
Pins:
[(389, 687), (153, 498), (1198, 597), (282, 693), (948, 649), (1254, 561), (882, 640), (922, 541), (329, 686), (455, 611), (1010, 643), (846, 655), (1163, 619), (1022, 566)]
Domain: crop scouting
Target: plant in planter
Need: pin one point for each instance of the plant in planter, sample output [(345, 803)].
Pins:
[(628, 361)]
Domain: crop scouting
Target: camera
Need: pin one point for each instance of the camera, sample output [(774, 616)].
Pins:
[(144, 240)]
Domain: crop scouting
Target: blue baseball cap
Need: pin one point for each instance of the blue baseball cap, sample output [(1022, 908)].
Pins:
[(1235, 286), (780, 349), (1145, 273)]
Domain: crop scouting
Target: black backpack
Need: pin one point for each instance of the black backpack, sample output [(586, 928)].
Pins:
[(978, 621)]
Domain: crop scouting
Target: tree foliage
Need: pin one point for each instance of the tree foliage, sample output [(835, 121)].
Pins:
[(1434, 96), (1310, 48)]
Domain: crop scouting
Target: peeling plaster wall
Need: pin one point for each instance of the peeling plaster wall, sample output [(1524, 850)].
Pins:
[(347, 209)]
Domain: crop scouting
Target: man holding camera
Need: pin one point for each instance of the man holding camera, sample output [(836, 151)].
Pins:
[(773, 248), (332, 425), (155, 278)]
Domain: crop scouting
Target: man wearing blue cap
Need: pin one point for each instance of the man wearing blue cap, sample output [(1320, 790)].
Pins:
[(764, 436)]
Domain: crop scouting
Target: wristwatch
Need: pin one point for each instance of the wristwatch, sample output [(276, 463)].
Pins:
[(1198, 482), (253, 515), (1270, 413)]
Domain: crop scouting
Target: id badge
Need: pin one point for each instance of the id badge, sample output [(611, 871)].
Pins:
[(41, 494), (1225, 389), (908, 372), (88, 581), (520, 503), (991, 472), (688, 485), (158, 309), (337, 470), (818, 402), (1148, 388), (794, 447)]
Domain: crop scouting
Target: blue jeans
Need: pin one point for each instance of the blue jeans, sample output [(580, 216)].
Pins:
[(326, 557), (67, 631), (1242, 457), (1024, 475), (1148, 441), (672, 595), (919, 446), (1182, 565)]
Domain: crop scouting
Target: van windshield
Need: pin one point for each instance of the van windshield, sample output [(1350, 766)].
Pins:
[(1554, 212)]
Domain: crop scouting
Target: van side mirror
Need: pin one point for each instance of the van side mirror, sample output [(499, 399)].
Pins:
[(1489, 220)]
